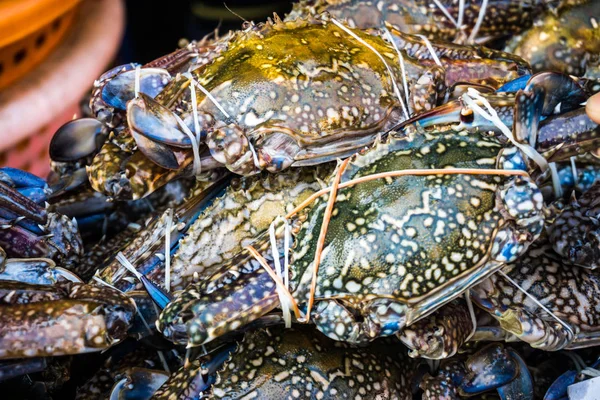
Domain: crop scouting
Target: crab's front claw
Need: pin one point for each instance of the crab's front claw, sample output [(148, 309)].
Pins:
[(78, 139), (156, 122), (560, 92), (138, 383), (121, 89), (522, 386), (490, 368)]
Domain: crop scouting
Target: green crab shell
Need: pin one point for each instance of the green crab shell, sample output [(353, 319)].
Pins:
[(333, 87), (416, 240)]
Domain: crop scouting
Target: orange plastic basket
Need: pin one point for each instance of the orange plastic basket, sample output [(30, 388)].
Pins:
[(33, 107), (29, 30)]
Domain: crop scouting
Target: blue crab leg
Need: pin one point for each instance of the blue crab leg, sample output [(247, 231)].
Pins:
[(13, 368), (51, 328), (13, 201), (21, 179)]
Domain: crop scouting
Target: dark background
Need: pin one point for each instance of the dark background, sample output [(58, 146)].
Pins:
[(154, 29)]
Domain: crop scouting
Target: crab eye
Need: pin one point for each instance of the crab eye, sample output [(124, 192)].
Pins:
[(466, 115)]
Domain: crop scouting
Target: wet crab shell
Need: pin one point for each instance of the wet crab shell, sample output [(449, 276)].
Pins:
[(416, 240)]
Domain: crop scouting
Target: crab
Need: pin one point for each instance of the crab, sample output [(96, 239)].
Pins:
[(564, 40), (442, 20), (278, 119)]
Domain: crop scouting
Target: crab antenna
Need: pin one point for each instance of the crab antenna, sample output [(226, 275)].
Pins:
[(361, 41)]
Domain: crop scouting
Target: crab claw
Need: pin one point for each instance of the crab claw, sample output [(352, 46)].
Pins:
[(156, 122), (562, 93), (138, 383), (77, 139), (121, 88), (16, 203), (490, 368), (522, 386)]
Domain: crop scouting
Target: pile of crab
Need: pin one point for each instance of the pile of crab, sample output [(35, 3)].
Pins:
[(365, 199)]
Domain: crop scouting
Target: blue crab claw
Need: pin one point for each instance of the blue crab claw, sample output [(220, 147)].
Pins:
[(16, 203), (35, 271), (121, 88), (77, 139), (568, 134), (561, 92), (559, 388), (528, 111), (515, 85), (20, 179), (522, 386), (156, 122), (160, 154), (68, 182), (490, 368), (138, 384)]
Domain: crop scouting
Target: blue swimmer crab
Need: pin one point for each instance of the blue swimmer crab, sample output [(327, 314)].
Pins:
[(265, 107), (447, 20)]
